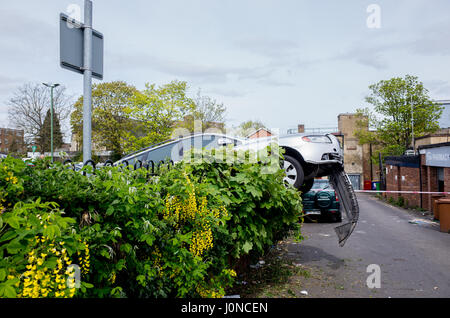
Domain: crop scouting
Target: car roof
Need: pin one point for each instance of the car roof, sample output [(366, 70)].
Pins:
[(169, 141)]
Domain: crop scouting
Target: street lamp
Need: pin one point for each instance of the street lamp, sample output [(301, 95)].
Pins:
[(52, 86), (412, 125)]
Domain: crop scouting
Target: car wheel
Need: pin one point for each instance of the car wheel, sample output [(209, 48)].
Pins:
[(307, 185), (294, 172)]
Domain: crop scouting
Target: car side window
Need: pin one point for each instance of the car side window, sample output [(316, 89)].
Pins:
[(160, 153), (209, 141)]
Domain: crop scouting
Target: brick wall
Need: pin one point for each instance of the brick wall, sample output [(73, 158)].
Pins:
[(410, 181), (403, 179)]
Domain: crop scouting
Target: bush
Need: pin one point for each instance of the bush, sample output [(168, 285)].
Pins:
[(177, 235)]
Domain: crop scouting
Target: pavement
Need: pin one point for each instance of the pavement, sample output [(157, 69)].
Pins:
[(413, 255)]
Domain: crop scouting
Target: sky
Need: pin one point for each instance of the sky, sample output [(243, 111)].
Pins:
[(282, 62)]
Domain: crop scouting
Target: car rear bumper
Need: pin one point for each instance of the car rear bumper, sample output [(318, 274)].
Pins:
[(320, 211)]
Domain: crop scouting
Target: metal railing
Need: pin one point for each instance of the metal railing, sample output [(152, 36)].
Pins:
[(152, 169)]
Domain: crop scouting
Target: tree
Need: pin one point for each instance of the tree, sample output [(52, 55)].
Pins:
[(110, 116), (207, 111), (154, 112), (44, 138), (29, 105), (390, 120), (247, 127)]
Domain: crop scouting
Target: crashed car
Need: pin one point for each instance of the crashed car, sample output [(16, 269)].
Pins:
[(306, 156)]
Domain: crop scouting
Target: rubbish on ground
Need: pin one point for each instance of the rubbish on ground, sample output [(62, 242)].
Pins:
[(422, 222)]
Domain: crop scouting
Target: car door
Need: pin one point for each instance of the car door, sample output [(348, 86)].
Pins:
[(162, 153)]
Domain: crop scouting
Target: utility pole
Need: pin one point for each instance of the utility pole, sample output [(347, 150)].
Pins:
[(87, 82), (412, 125), (52, 86)]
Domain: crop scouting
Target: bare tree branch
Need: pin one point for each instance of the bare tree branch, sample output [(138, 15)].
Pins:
[(30, 103)]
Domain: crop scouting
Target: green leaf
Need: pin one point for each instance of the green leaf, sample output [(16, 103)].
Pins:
[(14, 247), (247, 246), (7, 291), (110, 210), (13, 221), (8, 236), (2, 274)]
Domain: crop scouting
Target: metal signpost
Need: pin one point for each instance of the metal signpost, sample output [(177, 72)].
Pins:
[(81, 51), (51, 86)]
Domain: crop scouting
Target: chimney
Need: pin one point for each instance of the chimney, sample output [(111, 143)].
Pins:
[(301, 128)]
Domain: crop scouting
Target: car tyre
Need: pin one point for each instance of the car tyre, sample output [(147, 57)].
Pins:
[(294, 172), (307, 185)]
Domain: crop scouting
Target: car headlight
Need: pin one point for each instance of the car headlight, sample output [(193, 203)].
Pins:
[(317, 139)]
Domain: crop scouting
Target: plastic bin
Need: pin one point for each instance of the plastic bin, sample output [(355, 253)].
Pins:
[(376, 185), (444, 214), (434, 199)]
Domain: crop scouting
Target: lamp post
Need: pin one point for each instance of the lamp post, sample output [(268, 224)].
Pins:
[(412, 125), (52, 86)]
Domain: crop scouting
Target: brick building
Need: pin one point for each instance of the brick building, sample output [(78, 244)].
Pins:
[(11, 140), (260, 133), (427, 172)]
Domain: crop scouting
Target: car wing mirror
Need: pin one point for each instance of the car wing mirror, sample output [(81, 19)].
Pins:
[(224, 141)]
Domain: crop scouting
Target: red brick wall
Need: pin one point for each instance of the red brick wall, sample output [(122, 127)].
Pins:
[(411, 182), (403, 179)]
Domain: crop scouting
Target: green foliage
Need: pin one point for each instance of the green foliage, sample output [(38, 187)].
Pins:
[(44, 138), (110, 119), (207, 114), (248, 127), (176, 235), (154, 111), (392, 102)]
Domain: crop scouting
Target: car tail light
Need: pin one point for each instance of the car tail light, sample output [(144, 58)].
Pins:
[(335, 195), (317, 139)]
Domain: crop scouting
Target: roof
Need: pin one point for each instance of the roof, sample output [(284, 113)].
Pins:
[(442, 144), (403, 161), (256, 131)]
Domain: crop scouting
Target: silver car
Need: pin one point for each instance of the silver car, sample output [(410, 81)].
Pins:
[(306, 156)]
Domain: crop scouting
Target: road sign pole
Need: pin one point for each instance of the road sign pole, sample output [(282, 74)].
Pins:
[(87, 82), (51, 121)]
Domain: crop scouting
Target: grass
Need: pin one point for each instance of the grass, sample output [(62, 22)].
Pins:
[(271, 280)]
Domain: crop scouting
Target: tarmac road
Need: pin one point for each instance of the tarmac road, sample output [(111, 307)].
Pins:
[(414, 258)]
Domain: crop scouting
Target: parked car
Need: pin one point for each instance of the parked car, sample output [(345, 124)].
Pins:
[(322, 201), (2, 156), (174, 149)]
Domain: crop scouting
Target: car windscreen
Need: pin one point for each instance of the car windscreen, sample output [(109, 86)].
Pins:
[(321, 185)]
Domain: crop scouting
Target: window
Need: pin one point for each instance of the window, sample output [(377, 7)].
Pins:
[(440, 179), (161, 153)]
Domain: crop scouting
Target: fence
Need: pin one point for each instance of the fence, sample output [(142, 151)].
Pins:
[(137, 165)]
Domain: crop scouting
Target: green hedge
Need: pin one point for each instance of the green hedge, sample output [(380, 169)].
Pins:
[(179, 234)]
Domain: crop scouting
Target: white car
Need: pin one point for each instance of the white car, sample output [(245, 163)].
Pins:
[(307, 156)]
